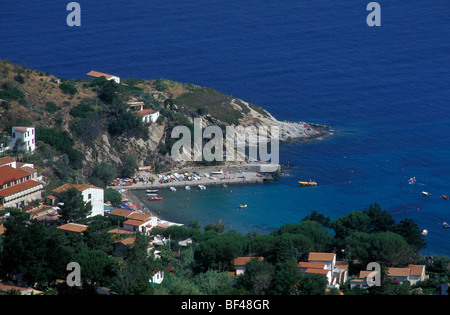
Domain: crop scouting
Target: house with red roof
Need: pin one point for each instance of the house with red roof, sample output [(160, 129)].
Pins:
[(325, 264), (92, 75), (17, 188)]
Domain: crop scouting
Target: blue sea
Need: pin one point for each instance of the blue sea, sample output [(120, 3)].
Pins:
[(384, 90)]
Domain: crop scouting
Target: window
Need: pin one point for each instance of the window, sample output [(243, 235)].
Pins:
[(89, 196)]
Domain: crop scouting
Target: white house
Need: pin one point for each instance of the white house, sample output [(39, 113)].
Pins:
[(95, 75), (325, 264), (412, 273), (90, 193), (140, 222), (148, 115), (27, 137)]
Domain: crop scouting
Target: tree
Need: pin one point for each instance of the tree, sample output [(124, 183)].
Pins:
[(103, 174), (311, 284), (386, 247), (37, 252), (411, 233), (112, 195), (97, 267), (134, 275), (217, 252), (74, 208), (380, 221), (318, 217), (257, 277), (129, 166), (355, 221), (286, 277)]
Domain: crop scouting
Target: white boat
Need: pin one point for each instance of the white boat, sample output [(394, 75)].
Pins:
[(426, 193), (151, 195), (446, 225), (424, 232), (173, 188), (201, 187), (188, 187), (152, 191)]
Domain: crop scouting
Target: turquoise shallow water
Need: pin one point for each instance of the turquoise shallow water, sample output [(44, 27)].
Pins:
[(384, 90)]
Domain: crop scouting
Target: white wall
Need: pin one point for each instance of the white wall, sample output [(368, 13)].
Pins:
[(28, 138), (95, 196)]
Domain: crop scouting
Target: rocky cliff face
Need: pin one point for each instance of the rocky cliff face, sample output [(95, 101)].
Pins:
[(30, 97)]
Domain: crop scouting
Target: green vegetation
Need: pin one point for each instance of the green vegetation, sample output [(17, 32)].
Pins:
[(10, 92), (68, 88), (40, 253)]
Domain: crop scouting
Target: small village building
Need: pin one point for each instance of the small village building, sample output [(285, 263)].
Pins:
[(148, 115), (325, 264), (27, 138), (240, 262), (17, 189), (73, 228), (412, 273), (9, 161), (92, 75), (92, 194)]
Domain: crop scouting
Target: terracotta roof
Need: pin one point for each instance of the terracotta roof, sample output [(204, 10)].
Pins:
[(97, 74), (365, 273), (399, 272), (29, 170), (121, 212), (20, 129), (140, 216), (73, 227), (6, 160), (9, 174), (126, 241), (144, 112), (120, 231), (18, 188), (321, 256), (241, 261), (133, 222), (416, 270), (79, 187), (341, 265), (305, 264), (317, 271)]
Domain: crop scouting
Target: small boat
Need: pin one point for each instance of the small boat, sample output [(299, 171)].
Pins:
[(187, 187), (446, 225), (201, 187), (424, 232), (412, 180), (173, 188), (151, 195), (224, 185), (310, 183), (445, 197), (426, 193), (152, 191), (243, 206), (155, 198)]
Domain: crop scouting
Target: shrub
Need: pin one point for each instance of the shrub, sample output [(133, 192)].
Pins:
[(51, 107), (68, 88)]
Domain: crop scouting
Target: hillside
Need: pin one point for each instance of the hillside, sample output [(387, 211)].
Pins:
[(89, 122)]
